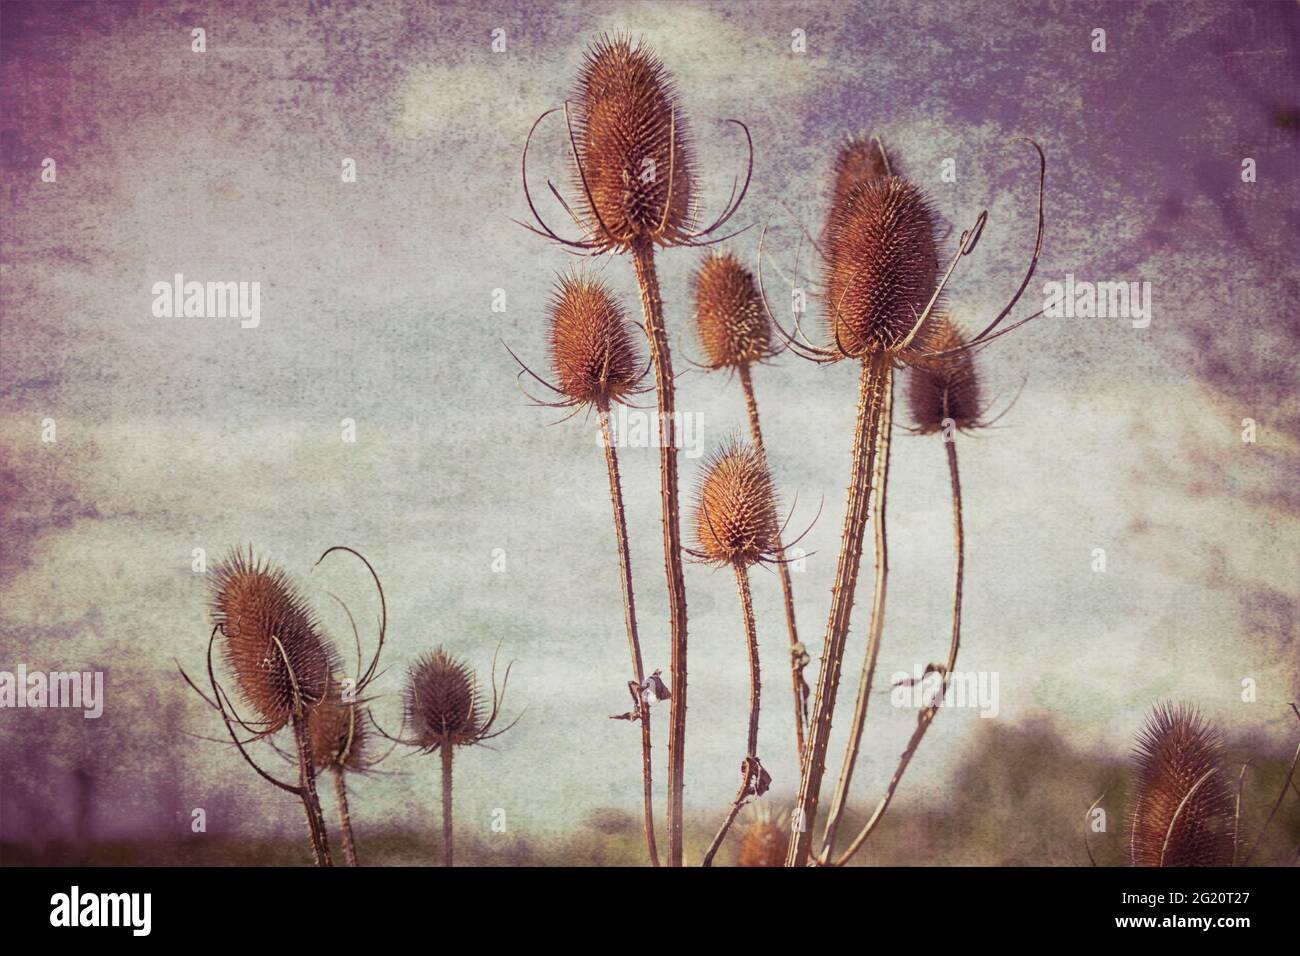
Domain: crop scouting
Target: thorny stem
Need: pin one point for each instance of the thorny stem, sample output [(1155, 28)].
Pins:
[(345, 818), (877, 376), (307, 786), (748, 785), (447, 755), (629, 614), (783, 568), (840, 799), (653, 307), (927, 716)]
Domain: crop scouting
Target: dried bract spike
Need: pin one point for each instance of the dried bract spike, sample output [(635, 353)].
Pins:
[(735, 519), (881, 265), (443, 702), (764, 844), (272, 639), (729, 315), (592, 350), (1182, 804), (636, 176), (337, 733), (946, 387)]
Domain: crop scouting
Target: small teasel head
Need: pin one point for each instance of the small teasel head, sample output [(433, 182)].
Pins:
[(445, 705), (763, 842), (946, 386), (881, 265), (635, 174), (735, 508), (337, 733), (729, 317), (1182, 812), (272, 639), (593, 353)]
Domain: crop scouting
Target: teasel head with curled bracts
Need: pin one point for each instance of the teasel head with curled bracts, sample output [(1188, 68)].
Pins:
[(882, 283), (736, 520), (444, 706), (594, 356), (633, 169), (271, 640)]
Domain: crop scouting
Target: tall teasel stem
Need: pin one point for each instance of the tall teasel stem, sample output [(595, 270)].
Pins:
[(927, 716), (629, 614), (736, 525), (310, 801), (798, 684), (596, 363), (447, 755), (877, 626), (661, 358), (877, 379), (755, 700), (345, 817)]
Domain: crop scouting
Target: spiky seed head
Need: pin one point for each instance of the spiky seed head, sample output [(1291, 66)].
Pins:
[(763, 844), (443, 704), (592, 350), (272, 638), (735, 511), (632, 146), (881, 265), (859, 160), (945, 387), (729, 315), (337, 732), (1178, 766)]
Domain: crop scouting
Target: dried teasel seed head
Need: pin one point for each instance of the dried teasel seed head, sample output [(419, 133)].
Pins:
[(860, 160), (443, 704), (763, 844), (881, 265), (632, 147), (729, 315), (272, 639), (735, 511), (592, 349), (945, 387), (1182, 813), (337, 732)]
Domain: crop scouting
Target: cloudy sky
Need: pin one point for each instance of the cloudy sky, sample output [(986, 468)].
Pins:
[(377, 305)]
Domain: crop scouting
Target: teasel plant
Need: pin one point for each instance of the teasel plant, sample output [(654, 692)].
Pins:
[(595, 363), (881, 286), (341, 742), (635, 188), (272, 643), (736, 526), (944, 398), (735, 334), (1182, 809), (444, 707)]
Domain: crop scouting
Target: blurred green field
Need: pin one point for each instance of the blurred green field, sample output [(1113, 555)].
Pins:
[(1018, 799)]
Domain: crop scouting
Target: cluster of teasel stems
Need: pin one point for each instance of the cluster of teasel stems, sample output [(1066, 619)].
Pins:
[(285, 672), (634, 190)]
